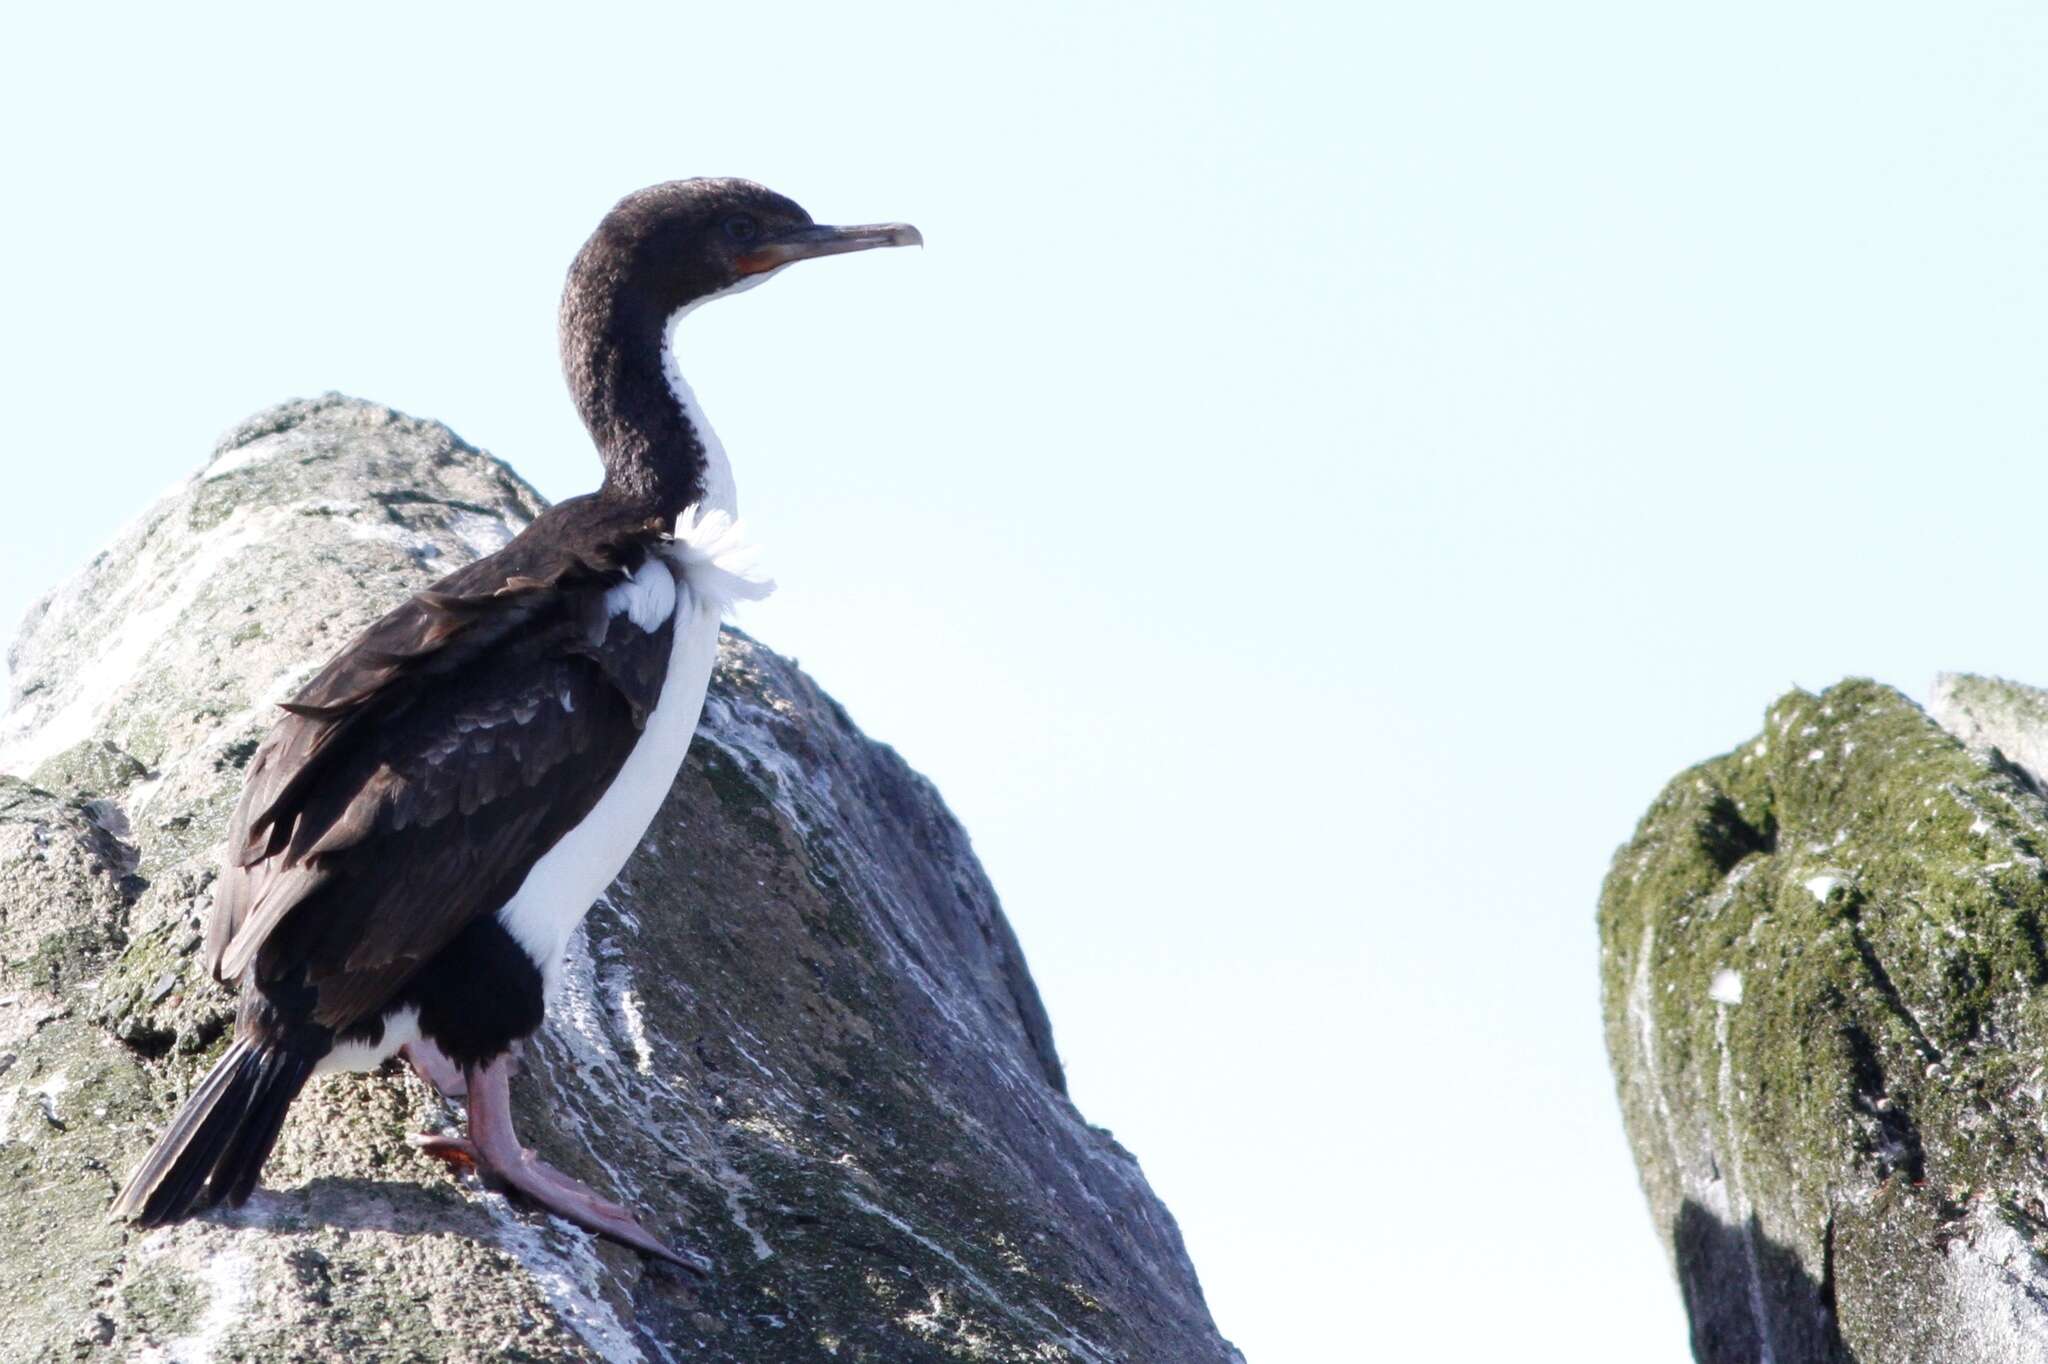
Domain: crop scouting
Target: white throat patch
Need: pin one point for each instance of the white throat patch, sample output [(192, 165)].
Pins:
[(720, 495)]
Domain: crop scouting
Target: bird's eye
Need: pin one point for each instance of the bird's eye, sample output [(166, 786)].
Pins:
[(741, 228)]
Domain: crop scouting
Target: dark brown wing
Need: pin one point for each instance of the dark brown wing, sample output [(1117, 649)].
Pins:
[(417, 779)]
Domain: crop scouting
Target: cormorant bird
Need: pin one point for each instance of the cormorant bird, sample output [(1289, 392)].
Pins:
[(437, 809)]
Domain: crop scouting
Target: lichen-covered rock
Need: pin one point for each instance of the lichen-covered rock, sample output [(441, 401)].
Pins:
[(1823, 966), (798, 1032)]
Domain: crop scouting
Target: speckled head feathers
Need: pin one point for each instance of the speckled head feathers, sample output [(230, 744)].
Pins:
[(666, 246), (659, 252)]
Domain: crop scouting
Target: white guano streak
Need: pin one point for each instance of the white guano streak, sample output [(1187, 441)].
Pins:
[(401, 1028)]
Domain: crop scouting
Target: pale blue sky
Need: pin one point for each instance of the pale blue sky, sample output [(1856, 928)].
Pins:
[(1329, 468)]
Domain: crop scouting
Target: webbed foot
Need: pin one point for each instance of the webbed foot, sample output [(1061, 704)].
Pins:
[(493, 1148)]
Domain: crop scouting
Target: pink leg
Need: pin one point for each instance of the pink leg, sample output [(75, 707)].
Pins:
[(433, 1066), (494, 1148)]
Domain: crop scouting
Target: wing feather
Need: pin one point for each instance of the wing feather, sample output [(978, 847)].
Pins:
[(412, 784)]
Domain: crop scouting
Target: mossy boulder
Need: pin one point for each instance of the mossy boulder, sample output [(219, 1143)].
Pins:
[(798, 1032), (1825, 985)]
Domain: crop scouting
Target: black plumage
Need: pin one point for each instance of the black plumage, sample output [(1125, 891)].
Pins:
[(409, 789), (420, 776), (401, 801)]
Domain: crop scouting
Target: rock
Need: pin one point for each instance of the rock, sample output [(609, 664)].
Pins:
[(798, 1033), (1823, 962), (1989, 713)]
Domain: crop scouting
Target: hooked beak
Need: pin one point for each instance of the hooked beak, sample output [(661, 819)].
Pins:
[(802, 243)]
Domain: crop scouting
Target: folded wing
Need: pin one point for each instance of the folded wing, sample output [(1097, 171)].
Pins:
[(416, 780)]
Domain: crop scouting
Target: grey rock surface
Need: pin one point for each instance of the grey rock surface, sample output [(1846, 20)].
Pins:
[(1824, 960), (798, 1033)]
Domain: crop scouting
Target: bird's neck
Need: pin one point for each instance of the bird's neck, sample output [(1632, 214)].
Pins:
[(660, 454)]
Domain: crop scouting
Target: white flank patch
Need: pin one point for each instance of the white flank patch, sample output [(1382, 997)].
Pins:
[(400, 1029), (710, 569), (1726, 988)]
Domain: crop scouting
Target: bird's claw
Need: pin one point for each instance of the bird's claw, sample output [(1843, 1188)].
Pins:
[(457, 1152), (502, 1162), (547, 1188), (575, 1202)]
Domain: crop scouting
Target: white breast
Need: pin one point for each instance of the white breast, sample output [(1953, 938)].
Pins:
[(696, 577), (706, 563), (562, 885)]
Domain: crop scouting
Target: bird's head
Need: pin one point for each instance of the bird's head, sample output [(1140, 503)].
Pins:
[(659, 253), (673, 245)]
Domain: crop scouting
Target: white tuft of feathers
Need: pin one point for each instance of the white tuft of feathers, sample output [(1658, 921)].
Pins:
[(647, 598), (716, 561)]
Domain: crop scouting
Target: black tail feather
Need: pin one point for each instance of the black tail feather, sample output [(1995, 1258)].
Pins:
[(265, 1119), (217, 1144)]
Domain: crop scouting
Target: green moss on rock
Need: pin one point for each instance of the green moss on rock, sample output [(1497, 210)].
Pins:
[(1822, 963), (91, 767)]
